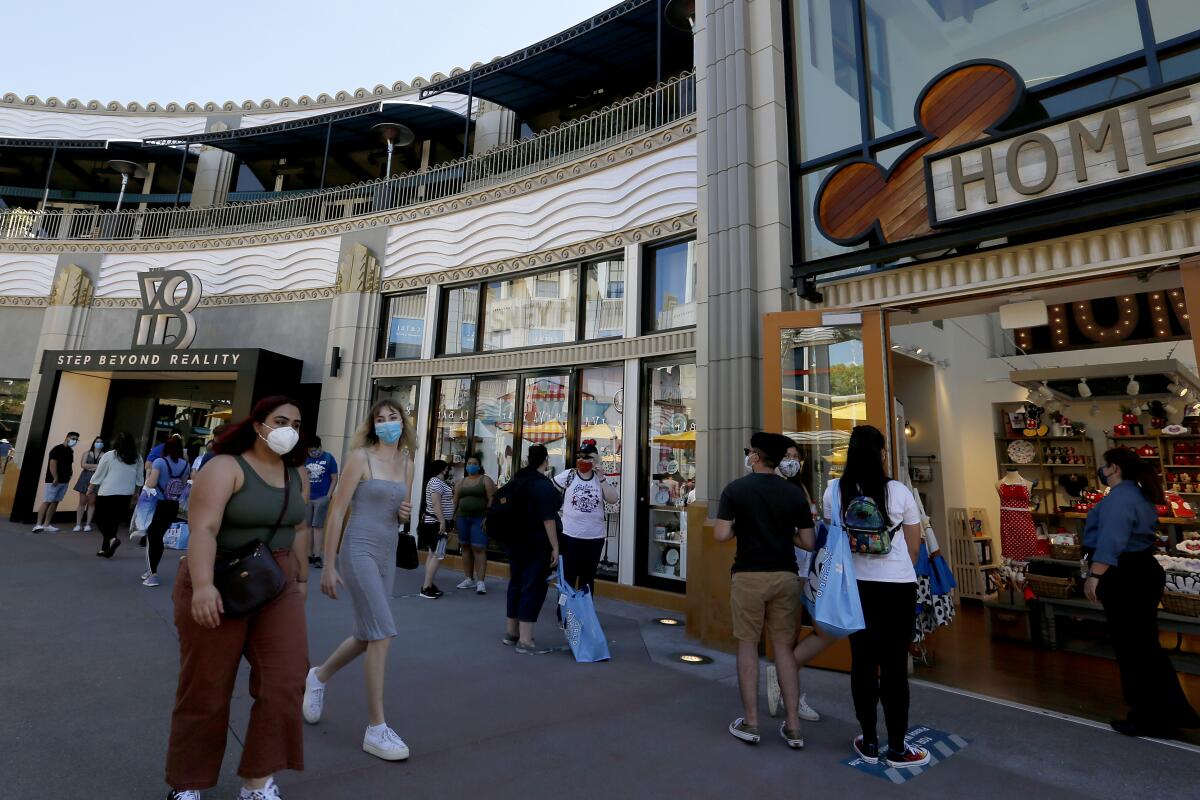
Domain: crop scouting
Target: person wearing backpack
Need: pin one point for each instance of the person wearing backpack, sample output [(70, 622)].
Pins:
[(883, 523), (524, 517), (168, 476), (584, 493)]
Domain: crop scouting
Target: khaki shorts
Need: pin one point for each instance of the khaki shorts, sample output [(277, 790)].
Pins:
[(770, 597)]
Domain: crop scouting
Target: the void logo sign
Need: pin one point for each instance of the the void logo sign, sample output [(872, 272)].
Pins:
[(168, 299)]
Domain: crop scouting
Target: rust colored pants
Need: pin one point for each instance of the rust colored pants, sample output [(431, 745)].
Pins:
[(274, 641)]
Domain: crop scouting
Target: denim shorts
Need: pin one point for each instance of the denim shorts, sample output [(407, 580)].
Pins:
[(317, 509), (470, 531), (55, 492)]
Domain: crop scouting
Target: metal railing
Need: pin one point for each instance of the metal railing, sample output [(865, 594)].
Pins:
[(628, 119)]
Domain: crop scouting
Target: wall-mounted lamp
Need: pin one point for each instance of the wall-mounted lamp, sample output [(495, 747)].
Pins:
[(910, 430), (335, 362)]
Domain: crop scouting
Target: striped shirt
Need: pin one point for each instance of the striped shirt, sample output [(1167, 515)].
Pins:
[(439, 485)]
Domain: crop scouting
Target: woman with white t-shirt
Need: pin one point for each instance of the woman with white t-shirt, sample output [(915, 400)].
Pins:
[(584, 494), (887, 586)]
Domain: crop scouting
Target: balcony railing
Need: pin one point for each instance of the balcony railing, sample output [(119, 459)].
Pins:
[(628, 119)]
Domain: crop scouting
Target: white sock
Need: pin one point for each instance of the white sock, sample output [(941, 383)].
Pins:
[(377, 728), (312, 677)]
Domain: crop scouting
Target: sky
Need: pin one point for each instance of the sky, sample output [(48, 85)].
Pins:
[(261, 49)]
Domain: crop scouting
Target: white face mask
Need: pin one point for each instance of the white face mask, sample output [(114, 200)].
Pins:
[(281, 440), (789, 467), (749, 466)]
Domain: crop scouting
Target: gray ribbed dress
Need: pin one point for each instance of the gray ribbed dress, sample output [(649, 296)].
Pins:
[(368, 556)]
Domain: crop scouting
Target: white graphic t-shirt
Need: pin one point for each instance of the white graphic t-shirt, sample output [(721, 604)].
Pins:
[(583, 505)]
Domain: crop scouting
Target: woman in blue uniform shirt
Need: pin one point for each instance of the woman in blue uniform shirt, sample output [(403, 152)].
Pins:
[(1125, 578)]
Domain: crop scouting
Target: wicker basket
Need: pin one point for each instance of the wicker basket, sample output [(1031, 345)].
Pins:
[(1067, 552), (1186, 605), (1045, 586)]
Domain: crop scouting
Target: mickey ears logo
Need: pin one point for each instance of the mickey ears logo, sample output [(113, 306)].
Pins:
[(860, 198)]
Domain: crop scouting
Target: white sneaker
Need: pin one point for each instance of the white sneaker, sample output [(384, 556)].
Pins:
[(268, 792), (481, 588), (466, 584), (38, 528), (76, 529), (314, 698), (87, 528), (145, 574), (384, 743), (50, 529), (151, 580), (774, 696), (807, 712)]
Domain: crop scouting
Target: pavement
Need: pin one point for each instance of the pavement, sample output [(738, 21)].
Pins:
[(90, 661)]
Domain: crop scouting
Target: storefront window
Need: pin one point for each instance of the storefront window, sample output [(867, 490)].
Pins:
[(827, 77), (914, 40), (533, 310), (824, 397), (671, 286), (405, 326), (12, 405), (495, 406), (406, 392), (544, 419), (604, 308), (601, 411), (671, 423), (1174, 18), (450, 423), (461, 315)]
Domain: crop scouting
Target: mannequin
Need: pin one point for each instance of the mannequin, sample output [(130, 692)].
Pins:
[(1018, 534)]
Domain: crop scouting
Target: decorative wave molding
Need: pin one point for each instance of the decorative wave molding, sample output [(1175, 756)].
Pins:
[(30, 275), (21, 123), (1124, 248), (662, 229), (271, 269), (17, 301), (625, 196), (321, 101), (627, 151)]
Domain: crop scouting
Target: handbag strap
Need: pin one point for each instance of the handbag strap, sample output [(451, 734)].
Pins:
[(287, 496)]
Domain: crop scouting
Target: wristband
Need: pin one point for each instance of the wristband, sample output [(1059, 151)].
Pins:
[(301, 581)]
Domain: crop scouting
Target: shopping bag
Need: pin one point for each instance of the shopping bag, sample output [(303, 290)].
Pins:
[(941, 578), (583, 630), (176, 537), (831, 593), (143, 514), (184, 497)]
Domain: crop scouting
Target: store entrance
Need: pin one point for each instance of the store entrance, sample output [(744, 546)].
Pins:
[(1003, 408)]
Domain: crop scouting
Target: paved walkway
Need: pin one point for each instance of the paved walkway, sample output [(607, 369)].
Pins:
[(89, 664)]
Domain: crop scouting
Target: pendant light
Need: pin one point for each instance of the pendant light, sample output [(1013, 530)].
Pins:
[(1085, 391)]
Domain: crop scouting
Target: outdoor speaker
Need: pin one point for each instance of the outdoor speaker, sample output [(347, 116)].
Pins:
[(1032, 314)]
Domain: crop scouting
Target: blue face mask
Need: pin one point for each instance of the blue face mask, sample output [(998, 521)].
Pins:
[(389, 432), (472, 469), (1103, 478)]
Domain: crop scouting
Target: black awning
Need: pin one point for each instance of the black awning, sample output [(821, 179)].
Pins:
[(126, 149), (615, 52), (346, 128)]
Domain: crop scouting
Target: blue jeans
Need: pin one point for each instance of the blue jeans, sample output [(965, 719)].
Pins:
[(470, 531), (527, 587)]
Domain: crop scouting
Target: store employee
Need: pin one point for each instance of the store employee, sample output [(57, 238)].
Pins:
[(1126, 579)]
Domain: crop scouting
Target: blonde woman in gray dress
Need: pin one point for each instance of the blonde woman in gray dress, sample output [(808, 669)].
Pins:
[(374, 490)]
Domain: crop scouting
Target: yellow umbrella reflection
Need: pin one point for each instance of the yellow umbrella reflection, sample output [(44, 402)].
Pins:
[(601, 431), (682, 438)]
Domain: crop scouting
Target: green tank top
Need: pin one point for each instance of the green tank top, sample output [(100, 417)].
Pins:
[(253, 509), (472, 500)]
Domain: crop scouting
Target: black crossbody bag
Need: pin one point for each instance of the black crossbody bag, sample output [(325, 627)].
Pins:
[(249, 577)]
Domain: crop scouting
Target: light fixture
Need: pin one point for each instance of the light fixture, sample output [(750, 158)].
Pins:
[(395, 135), (910, 431), (1084, 389), (125, 169), (1045, 392), (1133, 387), (668, 621), (1176, 389), (895, 347), (681, 14), (1032, 397), (691, 658), (918, 351)]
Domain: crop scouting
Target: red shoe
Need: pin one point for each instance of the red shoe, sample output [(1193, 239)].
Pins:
[(911, 757)]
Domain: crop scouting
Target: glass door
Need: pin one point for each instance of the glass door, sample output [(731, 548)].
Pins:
[(545, 417), (600, 421)]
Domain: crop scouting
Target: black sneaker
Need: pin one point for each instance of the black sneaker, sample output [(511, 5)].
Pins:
[(436, 590), (869, 753), (912, 756), (429, 594)]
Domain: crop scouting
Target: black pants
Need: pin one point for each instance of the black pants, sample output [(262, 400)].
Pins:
[(1130, 594), (527, 587), (580, 559), (879, 653), (165, 513), (110, 510)]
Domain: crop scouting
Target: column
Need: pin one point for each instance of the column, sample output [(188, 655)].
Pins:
[(353, 327), (633, 449)]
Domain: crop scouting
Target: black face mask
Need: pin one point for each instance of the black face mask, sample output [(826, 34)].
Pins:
[(1103, 479)]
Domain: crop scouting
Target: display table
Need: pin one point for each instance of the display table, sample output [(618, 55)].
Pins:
[(1052, 608)]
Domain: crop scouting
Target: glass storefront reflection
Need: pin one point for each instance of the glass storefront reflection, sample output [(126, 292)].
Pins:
[(671, 424), (495, 404), (544, 418), (601, 414), (450, 423)]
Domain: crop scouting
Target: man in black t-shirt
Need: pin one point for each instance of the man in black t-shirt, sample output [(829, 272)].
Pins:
[(58, 477), (532, 553), (769, 517)]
